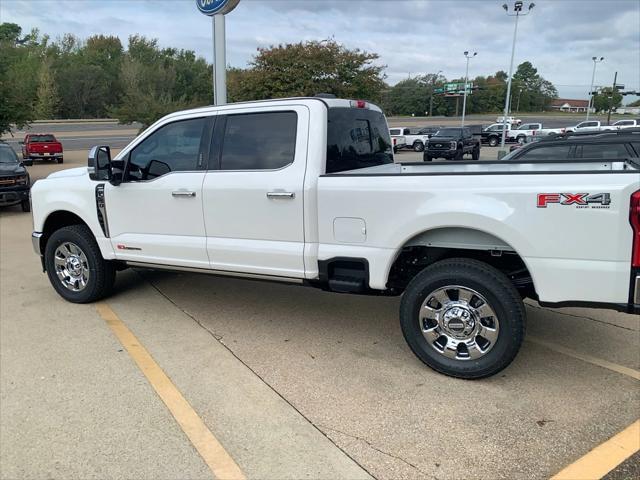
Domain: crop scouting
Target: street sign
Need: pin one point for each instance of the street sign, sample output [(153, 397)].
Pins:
[(216, 7)]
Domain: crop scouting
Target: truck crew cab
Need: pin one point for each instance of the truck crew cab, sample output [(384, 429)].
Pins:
[(305, 190)]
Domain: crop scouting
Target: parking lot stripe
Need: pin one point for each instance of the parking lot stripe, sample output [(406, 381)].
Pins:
[(207, 445), (586, 358), (605, 457)]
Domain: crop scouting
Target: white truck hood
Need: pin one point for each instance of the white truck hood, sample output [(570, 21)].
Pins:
[(70, 172)]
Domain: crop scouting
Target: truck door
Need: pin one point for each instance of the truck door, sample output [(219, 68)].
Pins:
[(253, 191), (155, 215)]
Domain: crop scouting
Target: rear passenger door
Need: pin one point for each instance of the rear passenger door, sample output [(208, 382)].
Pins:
[(253, 191)]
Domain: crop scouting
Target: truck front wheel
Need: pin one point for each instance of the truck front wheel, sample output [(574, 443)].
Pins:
[(418, 146), (463, 318), (493, 141), (75, 265)]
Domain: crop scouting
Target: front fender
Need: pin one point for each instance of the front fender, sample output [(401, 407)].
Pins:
[(74, 195)]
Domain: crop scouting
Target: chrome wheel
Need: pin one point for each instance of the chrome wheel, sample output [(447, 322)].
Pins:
[(72, 266), (458, 322)]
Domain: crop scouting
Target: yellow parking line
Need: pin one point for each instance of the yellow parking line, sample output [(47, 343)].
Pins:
[(586, 358), (605, 457), (208, 446)]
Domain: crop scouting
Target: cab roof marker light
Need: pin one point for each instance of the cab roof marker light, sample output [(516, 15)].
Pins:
[(359, 104)]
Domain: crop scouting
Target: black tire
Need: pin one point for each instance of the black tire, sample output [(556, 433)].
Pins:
[(60, 160), (499, 293), (418, 146), (475, 154), (427, 158), (26, 205), (102, 273), (459, 154), (521, 139), (28, 163), (493, 141)]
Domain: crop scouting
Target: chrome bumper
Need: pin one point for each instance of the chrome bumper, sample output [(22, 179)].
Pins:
[(35, 240)]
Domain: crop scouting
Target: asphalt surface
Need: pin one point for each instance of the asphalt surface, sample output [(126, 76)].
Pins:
[(294, 382)]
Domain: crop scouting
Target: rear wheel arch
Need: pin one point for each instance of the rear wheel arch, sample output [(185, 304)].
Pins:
[(430, 246)]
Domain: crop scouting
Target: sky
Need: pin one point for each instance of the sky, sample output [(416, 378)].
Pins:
[(412, 37)]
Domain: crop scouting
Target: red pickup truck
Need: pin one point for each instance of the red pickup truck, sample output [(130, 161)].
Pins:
[(41, 146)]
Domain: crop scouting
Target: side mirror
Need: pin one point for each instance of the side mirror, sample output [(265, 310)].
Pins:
[(99, 163)]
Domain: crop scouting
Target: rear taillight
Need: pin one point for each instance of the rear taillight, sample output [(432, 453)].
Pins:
[(634, 219)]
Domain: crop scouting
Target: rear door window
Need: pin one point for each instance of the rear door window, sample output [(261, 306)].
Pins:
[(605, 151), (395, 131), (357, 138), (259, 141), (549, 152)]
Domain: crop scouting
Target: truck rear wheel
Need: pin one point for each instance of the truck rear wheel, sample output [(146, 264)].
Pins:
[(75, 265), (493, 141), (463, 318), (475, 154)]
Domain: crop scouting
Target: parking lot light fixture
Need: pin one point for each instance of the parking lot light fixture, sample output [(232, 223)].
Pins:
[(517, 12), (596, 60), (466, 82)]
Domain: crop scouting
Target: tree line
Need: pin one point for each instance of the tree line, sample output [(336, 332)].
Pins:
[(41, 78)]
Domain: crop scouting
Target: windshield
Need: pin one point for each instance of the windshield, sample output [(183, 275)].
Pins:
[(448, 132), (41, 138), (7, 155)]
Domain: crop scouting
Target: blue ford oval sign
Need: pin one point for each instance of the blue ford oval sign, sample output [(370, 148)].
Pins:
[(216, 7)]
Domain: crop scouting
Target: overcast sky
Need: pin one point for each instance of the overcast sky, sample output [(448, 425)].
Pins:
[(412, 37)]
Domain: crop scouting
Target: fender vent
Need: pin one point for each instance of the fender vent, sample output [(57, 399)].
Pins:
[(101, 209)]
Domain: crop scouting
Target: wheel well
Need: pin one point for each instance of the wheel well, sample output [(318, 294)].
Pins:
[(56, 221), (413, 259)]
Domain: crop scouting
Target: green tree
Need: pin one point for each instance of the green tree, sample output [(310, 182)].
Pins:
[(308, 68), (47, 99), (535, 92), (10, 33), (19, 64), (607, 98), (158, 81)]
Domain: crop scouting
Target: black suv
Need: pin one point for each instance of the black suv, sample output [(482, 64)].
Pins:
[(452, 143), (608, 145), (14, 179)]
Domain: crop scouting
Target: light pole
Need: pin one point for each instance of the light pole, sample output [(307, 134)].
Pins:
[(433, 86), (518, 104), (517, 8), (466, 81), (596, 61)]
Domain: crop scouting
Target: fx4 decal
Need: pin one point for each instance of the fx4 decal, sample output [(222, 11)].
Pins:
[(580, 200)]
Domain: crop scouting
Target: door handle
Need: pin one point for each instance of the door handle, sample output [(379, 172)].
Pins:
[(281, 195), (183, 193)]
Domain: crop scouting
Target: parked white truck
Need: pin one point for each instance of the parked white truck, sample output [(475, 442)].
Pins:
[(305, 190)]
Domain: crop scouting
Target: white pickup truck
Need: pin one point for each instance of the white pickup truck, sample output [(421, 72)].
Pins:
[(412, 138), (305, 190)]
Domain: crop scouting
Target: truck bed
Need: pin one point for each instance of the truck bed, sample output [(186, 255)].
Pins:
[(576, 250)]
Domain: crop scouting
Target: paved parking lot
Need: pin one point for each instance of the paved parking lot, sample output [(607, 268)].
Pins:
[(293, 382)]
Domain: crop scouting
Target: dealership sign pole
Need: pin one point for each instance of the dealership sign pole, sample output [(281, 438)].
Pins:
[(217, 9)]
